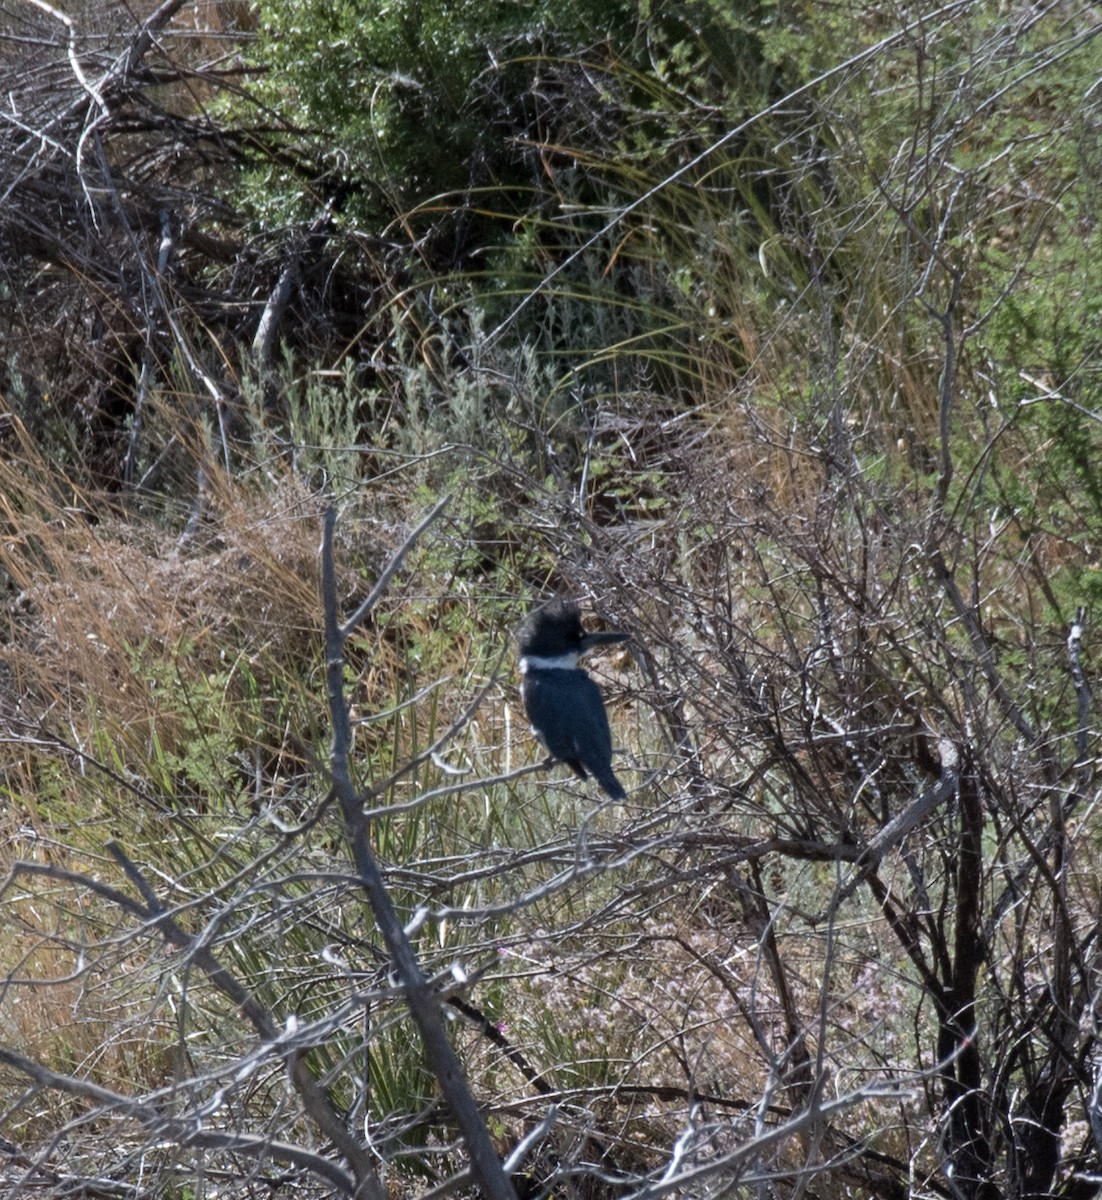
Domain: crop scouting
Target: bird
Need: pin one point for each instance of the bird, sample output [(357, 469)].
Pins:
[(563, 704)]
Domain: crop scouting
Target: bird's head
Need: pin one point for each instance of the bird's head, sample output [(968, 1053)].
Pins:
[(553, 635)]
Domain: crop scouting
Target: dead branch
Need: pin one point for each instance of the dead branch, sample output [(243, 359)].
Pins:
[(424, 1003)]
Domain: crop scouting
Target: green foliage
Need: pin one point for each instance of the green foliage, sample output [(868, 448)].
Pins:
[(319, 427), (415, 98), (204, 719), (497, 139)]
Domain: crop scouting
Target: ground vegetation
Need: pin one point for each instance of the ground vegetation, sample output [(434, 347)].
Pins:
[(335, 336)]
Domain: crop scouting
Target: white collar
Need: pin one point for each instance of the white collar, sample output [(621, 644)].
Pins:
[(560, 662)]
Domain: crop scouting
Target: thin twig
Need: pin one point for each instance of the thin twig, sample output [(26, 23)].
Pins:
[(181, 1131), (731, 135), (390, 570), (1082, 688)]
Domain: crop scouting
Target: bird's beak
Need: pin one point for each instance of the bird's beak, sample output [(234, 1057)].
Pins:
[(592, 640)]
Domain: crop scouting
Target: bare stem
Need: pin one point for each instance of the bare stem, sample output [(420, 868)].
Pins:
[(425, 1004)]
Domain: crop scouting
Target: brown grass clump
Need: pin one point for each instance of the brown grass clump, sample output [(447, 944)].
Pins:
[(108, 616)]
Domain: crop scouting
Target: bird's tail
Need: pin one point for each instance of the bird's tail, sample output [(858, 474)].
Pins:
[(609, 784)]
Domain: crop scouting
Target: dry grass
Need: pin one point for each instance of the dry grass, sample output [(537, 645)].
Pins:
[(115, 625)]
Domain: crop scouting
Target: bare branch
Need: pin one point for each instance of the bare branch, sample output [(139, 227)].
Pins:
[(182, 1132), (391, 569), (424, 1003)]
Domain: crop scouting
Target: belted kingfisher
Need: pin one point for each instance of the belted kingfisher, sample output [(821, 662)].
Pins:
[(562, 702)]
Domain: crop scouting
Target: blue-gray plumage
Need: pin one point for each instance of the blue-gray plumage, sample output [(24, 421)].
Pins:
[(563, 704)]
